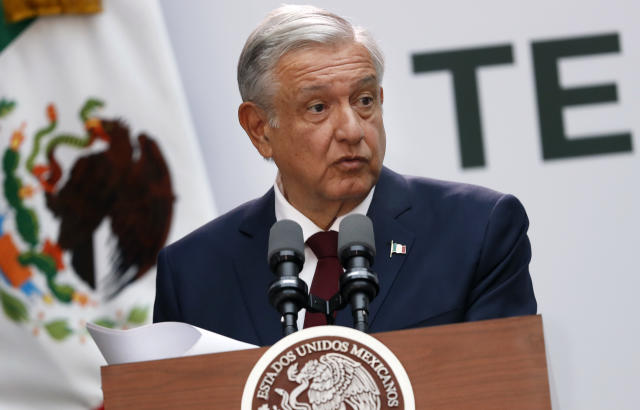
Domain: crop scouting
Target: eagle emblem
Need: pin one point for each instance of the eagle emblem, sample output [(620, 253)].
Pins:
[(332, 382), (78, 182)]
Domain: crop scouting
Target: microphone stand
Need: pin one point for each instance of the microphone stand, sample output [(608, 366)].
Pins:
[(358, 284), (287, 293)]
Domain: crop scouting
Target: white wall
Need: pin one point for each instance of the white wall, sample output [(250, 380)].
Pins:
[(585, 211)]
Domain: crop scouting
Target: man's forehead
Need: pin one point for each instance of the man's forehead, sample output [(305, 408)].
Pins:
[(314, 68)]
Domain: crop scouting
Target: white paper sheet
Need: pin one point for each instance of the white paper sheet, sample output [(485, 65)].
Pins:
[(159, 341)]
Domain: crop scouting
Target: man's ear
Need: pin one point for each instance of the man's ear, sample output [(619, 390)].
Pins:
[(381, 96), (254, 120)]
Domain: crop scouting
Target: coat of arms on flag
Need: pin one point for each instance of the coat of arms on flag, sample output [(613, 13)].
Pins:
[(133, 193)]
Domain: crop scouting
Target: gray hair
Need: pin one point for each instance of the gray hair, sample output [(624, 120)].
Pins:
[(289, 28)]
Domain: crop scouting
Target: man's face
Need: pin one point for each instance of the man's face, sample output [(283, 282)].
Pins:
[(330, 140)]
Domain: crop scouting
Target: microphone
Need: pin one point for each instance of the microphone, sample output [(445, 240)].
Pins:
[(287, 293), (356, 250)]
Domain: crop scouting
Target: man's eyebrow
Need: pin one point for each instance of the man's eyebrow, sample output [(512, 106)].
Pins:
[(313, 88), (367, 80)]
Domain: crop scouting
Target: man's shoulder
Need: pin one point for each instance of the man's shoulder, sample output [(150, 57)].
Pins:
[(450, 201), (451, 192), (438, 191), (221, 231)]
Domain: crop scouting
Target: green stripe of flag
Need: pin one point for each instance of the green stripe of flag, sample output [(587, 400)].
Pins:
[(9, 31)]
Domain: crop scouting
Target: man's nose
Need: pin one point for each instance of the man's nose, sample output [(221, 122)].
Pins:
[(348, 125)]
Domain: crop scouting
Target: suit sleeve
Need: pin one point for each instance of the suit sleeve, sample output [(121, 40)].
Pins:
[(502, 284), (165, 308)]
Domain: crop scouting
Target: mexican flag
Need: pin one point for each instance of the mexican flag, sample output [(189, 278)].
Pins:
[(397, 248), (100, 170)]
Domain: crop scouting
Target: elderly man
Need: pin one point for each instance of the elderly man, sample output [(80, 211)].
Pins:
[(310, 82)]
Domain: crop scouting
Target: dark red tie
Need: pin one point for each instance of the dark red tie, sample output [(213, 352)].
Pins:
[(325, 281)]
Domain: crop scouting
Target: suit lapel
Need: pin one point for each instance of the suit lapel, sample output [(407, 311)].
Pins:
[(390, 200), (252, 270)]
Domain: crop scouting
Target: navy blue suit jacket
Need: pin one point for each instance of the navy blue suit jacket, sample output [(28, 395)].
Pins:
[(467, 259)]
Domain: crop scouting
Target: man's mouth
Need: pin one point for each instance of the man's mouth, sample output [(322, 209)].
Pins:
[(351, 163)]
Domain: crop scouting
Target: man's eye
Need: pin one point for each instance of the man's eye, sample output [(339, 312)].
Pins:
[(366, 100), (317, 107)]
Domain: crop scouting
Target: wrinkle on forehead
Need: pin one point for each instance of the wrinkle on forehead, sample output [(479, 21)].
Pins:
[(318, 64)]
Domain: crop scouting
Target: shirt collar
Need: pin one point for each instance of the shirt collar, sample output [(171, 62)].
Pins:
[(284, 210)]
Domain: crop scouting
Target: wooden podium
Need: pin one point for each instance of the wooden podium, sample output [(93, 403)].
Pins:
[(493, 364)]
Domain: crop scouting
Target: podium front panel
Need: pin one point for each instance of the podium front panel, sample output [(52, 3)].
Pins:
[(492, 364)]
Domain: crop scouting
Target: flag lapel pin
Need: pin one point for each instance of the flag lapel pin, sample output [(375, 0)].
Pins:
[(397, 248)]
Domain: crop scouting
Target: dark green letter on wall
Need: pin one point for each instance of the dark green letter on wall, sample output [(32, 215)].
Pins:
[(463, 65), (552, 98)]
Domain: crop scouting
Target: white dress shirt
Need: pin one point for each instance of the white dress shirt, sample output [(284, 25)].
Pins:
[(284, 210)]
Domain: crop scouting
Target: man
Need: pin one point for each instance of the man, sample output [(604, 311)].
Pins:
[(310, 83)]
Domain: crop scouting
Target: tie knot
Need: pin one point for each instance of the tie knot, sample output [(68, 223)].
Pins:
[(324, 244)]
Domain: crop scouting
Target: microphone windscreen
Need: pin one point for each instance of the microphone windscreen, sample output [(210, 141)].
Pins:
[(356, 229), (286, 235)]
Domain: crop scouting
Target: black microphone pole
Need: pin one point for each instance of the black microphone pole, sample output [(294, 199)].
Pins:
[(287, 293), (358, 284)]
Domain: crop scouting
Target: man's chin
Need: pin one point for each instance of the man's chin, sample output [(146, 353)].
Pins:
[(356, 191)]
